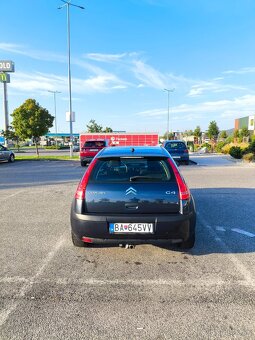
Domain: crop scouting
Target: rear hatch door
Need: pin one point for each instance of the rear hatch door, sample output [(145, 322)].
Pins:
[(144, 186)]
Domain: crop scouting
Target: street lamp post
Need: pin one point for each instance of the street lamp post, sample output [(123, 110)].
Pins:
[(55, 110), (168, 102), (67, 4)]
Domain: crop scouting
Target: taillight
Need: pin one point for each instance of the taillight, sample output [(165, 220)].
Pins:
[(184, 193), (80, 192), (186, 151)]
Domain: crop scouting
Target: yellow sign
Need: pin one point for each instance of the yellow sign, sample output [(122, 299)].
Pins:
[(4, 77)]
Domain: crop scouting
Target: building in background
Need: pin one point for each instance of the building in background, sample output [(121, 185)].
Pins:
[(246, 122)]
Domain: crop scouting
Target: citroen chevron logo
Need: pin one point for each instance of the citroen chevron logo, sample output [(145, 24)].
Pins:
[(131, 191)]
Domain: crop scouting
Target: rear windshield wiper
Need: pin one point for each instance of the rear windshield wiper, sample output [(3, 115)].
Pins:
[(135, 178)]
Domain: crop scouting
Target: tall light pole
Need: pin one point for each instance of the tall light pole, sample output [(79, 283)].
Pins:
[(55, 110), (67, 4), (168, 102)]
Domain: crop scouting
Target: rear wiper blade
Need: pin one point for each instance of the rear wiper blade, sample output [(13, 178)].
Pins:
[(135, 178)]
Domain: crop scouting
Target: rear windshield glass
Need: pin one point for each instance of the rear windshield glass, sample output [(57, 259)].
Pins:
[(94, 144), (147, 169), (176, 145)]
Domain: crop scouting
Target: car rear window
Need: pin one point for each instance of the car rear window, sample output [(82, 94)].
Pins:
[(94, 144), (176, 145), (144, 169)]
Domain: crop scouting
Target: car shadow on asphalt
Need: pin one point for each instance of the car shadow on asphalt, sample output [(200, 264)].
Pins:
[(225, 221)]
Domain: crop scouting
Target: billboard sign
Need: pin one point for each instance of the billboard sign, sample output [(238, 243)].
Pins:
[(6, 66), (4, 77)]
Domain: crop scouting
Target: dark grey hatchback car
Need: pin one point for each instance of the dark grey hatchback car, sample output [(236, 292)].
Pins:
[(6, 155), (132, 195)]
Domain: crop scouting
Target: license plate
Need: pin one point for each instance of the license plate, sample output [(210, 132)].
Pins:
[(93, 150), (129, 228)]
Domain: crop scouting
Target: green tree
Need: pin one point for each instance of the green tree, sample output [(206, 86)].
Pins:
[(168, 136), (187, 133), (197, 132), (236, 134), (223, 134), (244, 132), (213, 130), (94, 127), (10, 134), (31, 120), (108, 129)]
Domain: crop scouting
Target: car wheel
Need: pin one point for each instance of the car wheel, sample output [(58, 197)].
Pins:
[(186, 162), (83, 163), (11, 158), (77, 242)]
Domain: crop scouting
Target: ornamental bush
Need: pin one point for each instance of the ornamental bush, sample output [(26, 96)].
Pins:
[(219, 146), (249, 157), (206, 145), (236, 152)]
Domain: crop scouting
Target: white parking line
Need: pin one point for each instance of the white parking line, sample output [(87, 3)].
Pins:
[(12, 195), (233, 258), (28, 284), (243, 232), (142, 282)]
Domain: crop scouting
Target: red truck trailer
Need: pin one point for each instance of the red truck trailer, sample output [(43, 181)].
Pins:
[(123, 139), (87, 151)]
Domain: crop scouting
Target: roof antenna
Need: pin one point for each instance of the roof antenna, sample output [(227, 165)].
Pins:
[(132, 150)]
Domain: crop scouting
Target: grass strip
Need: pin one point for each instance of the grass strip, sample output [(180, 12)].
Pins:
[(45, 158)]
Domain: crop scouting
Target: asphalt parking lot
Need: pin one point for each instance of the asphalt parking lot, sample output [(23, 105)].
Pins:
[(52, 290)]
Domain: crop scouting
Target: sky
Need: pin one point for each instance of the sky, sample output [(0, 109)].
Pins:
[(124, 53)]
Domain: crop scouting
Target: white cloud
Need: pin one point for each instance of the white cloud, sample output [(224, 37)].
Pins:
[(222, 108), (243, 70), (213, 87), (105, 57), (40, 82), (148, 75)]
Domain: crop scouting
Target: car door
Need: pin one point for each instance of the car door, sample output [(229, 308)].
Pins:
[(1, 153)]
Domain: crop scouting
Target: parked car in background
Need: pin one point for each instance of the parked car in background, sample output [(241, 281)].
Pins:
[(76, 148), (131, 195), (90, 148), (6, 155), (178, 150)]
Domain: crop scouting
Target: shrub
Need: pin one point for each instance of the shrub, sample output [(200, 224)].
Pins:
[(227, 147), (52, 147), (219, 146), (249, 157), (251, 147), (196, 147), (236, 152), (206, 145)]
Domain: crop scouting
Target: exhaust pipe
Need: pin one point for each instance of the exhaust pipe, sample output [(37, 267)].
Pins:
[(129, 246), (126, 246)]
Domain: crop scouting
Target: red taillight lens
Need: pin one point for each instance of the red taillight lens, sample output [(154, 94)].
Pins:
[(186, 151), (184, 192), (80, 192)]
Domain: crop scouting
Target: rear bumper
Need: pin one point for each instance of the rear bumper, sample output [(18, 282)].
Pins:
[(174, 228), (183, 158), (86, 158)]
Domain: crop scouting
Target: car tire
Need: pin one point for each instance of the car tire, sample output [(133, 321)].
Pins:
[(77, 242), (11, 158), (83, 163), (186, 162)]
